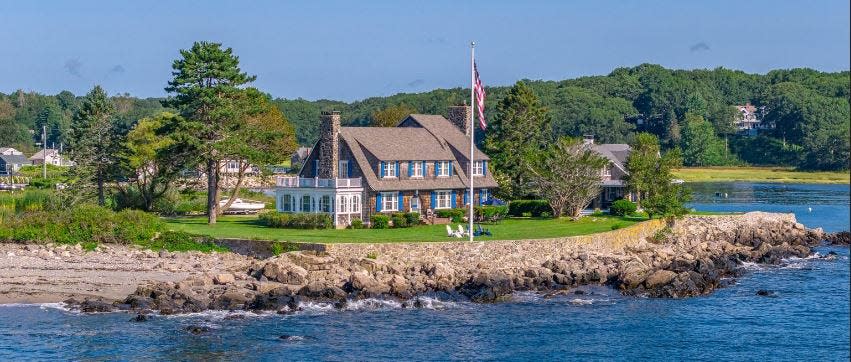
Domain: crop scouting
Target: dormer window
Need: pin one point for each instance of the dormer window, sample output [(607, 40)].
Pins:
[(478, 168), (442, 169), (416, 168), (389, 169)]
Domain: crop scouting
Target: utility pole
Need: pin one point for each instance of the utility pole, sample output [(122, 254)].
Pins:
[(44, 152)]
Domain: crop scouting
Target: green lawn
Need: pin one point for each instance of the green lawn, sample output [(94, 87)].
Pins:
[(247, 227), (760, 174)]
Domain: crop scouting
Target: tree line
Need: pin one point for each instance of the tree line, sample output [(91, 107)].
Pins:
[(687, 109)]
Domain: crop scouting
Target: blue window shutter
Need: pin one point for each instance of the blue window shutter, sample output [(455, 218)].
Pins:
[(378, 202), (435, 167), (481, 195), (454, 196), (484, 167), (450, 168), (397, 169), (401, 202), (381, 168), (349, 169), (466, 198), (425, 169), (410, 168), (433, 200), (315, 168)]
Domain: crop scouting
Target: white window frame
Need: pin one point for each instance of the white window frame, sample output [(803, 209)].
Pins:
[(310, 203), (414, 201), (390, 166), (325, 204), (484, 196), (354, 203), (287, 204), (442, 169), (443, 199), (478, 168), (607, 171), (389, 201), (416, 169), (343, 169)]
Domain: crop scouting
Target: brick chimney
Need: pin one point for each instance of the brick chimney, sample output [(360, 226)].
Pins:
[(329, 144), (460, 117)]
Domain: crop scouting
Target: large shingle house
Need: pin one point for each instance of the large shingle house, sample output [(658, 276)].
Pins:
[(612, 176), (419, 165)]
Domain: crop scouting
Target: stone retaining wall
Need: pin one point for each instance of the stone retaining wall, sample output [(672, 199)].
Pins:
[(501, 253)]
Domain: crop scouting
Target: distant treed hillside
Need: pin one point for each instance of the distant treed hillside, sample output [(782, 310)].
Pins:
[(810, 111), (809, 108)]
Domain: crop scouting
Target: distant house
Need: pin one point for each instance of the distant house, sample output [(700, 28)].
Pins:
[(749, 119), (231, 167), (11, 163), (612, 175), (9, 151), (299, 156), (356, 172), (50, 156)]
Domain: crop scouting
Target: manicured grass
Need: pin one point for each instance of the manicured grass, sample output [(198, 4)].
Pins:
[(760, 174), (510, 229)]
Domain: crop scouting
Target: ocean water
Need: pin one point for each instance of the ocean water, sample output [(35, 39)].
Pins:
[(806, 318)]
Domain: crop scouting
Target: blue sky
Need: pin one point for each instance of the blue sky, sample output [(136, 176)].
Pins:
[(351, 50)]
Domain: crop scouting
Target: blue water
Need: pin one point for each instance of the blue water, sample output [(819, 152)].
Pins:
[(808, 319)]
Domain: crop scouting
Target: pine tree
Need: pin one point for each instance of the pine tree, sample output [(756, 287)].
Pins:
[(207, 92), (95, 141), (521, 122)]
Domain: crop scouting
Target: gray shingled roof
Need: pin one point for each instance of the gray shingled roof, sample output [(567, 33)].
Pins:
[(615, 152), (433, 142), (15, 159), (403, 143)]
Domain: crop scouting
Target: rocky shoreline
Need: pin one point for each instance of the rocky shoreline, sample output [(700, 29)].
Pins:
[(691, 257)]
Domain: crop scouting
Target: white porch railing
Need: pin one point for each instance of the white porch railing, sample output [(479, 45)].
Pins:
[(339, 183)]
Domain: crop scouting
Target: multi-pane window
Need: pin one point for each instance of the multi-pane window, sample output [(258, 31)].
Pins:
[(444, 199), (355, 203), (415, 204), (325, 203), (389, 201), (306, 203), (287, 203), (606, 173), (390, 169), (478, 168), (416, 169), (343, 169), (442, 168)]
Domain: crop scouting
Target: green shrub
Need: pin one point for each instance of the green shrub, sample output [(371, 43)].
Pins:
[(134, 226), (622, 207), (491, 213), (380, 221), (413, 218), (356, 224), (546, 215), (399, 220), (284, 220), (43, 183), (457, 214), (37, 200), (532, 208), (280, 247), (372, 255), (616, 226)]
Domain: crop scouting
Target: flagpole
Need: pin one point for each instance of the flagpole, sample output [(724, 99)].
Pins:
[(472, 128)]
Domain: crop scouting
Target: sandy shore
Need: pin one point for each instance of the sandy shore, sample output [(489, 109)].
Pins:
[(45, 274)]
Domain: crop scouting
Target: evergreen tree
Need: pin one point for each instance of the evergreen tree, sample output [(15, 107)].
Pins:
[(207, 92), (521, 123), (95, 142)]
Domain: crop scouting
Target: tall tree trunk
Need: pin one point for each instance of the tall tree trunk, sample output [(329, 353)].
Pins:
[(212, 191), (243, 167), (101, 199)]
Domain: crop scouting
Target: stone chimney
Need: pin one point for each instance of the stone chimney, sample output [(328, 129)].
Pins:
[(460, 117), (329, 144)]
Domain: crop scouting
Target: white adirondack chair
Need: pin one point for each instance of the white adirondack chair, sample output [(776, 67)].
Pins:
[(451, 233)]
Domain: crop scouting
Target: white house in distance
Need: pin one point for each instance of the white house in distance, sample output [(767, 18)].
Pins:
[(49, 156), (749, 119), (8, 151)]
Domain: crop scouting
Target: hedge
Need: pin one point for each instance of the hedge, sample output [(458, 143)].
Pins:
[(283, 220), (491, 213), (622, 207), (534, 208)]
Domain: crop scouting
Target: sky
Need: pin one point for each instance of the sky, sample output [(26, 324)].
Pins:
[(350, 50)]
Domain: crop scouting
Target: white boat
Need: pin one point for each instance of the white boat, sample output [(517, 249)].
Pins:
[(242, 207)]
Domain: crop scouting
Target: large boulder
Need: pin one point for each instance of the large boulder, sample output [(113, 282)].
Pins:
[(324, 291), (285, 272), (658, 278), (487, 287), (367, 285)]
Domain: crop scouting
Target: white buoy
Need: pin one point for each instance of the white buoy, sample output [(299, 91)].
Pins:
[(810, 209)]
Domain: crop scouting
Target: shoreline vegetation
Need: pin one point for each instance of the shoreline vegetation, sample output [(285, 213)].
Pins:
[(760, 174)]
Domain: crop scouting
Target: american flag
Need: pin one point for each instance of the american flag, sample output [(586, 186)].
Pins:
[(480, 98)]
